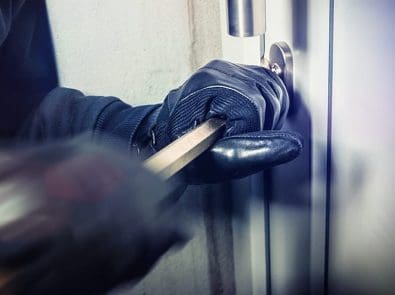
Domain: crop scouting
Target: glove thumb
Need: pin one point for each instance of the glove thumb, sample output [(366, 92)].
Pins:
[(242, 155)]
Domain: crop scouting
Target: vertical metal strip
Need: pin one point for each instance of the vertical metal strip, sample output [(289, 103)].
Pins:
[(218, 226), (328, 189), (267, 194)]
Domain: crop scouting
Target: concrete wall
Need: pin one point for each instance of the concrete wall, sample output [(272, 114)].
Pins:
[(138, 50)]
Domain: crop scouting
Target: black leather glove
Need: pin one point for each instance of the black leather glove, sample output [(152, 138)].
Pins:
[(251, 99), (81, 219), (241, 155)]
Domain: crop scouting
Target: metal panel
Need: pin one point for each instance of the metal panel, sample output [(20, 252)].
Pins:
[(362, 236), (297, 200), (287, 215), (248, 223)]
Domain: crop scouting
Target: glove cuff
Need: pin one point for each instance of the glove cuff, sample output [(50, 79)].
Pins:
[(119, 123), (143, 137)]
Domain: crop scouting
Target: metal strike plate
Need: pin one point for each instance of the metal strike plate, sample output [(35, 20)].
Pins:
[(281, 63)]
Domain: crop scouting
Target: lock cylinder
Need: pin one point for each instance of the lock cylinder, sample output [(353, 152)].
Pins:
[(246, 18)]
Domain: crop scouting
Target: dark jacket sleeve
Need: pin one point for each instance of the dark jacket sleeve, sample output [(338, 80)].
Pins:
[(66, 113), (32, 106), (27, 63)]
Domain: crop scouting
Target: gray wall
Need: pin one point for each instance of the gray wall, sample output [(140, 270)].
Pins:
[(134, 49), (138, 50)]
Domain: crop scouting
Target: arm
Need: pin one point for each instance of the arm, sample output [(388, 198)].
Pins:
[(27, 63), (85, 218), (66, 113), (29, 106), (251, 99)]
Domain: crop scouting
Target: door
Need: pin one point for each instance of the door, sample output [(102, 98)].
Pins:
[(361, 233), (329, 215), (288, 218), (320, 224)]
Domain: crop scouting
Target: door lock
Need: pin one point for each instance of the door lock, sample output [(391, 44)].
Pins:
[(281, 62)]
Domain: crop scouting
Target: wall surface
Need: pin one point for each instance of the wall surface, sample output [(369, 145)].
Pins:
[(136, 50), (139, 50)]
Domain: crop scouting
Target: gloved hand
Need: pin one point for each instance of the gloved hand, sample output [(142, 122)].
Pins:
[(251, 99), (81, 219)]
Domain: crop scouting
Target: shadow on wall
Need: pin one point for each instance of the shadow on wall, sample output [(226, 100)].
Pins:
[(288, 190)]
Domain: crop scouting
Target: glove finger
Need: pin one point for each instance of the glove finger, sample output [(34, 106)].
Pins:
[(242, 155), (283, 97), (273, 106), (273, 89), (239, 109), (260, 86)]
